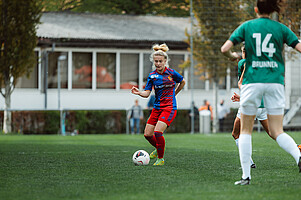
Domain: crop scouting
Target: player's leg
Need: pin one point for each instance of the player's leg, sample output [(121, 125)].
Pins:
[(285, 141), (236, 130), (274, 100), (165, 119), (265, 125), (263, 118), (251, 95), (151, 138), (149, 134), (159, 130), (235, 135), (149, 131), (245, 144)]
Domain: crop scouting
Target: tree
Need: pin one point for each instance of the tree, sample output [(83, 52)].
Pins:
[(18, 40), (133, 7), (60, 5), (291, 15), (215, 22)]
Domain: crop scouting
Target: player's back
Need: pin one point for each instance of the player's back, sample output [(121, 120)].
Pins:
[(264, 40)]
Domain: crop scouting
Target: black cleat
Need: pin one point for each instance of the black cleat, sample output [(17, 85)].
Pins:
[(299, 164), (253, 166), (243, 181)]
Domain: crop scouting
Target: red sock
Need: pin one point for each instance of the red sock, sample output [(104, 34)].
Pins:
[(152, 140), (160, 143)]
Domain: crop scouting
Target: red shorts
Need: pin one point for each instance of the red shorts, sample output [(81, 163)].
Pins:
[(166, 116)]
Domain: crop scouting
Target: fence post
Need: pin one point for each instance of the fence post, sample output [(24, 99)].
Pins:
[(127, 122)]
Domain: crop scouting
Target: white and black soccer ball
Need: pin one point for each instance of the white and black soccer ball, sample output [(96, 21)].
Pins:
[(141, 157)]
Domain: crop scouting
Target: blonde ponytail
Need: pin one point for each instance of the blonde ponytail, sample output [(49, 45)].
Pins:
[(162, 47)]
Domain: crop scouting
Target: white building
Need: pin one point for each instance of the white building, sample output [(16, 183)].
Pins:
[(106, 55)]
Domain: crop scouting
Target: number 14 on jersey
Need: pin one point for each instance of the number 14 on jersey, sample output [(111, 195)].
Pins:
[(265, 46)]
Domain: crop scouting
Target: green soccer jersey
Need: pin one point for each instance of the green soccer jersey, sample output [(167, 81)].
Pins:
[(240, 67), (240, 70), (264, 39)]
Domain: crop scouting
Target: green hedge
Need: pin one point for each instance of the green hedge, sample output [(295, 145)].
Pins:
[(95, 122), (86, 122)]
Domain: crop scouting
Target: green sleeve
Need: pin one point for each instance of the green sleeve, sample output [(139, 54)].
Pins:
[(238, 35), (289, 37), (240, 67)]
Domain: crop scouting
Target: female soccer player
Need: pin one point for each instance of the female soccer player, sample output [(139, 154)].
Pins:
[(164, 80), (264, 78)]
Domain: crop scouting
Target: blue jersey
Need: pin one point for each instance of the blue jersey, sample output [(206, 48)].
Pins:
[(164, 85)]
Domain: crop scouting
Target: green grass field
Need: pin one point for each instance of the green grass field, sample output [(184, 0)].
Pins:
[(92, 167)]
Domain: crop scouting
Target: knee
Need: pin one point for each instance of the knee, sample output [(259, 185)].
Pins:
[(148, 133), (235, 135)]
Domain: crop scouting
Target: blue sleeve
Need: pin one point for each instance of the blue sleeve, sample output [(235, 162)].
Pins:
[(177, 77), (149, 84)]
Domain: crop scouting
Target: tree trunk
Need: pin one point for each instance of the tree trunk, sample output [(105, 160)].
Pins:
[(215, 100), (7, 120)]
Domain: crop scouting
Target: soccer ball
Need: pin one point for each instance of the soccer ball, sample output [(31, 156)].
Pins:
[(141, 157)]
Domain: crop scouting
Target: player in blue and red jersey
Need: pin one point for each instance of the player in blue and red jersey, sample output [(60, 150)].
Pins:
[(165, 83)]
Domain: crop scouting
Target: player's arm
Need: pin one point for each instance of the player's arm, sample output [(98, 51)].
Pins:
[(241, 77), (180, 86), (143, 94), (226, 50), (298, 47)]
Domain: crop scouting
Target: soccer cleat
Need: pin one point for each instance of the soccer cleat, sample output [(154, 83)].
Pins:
[(154, 154), (299, 164), (253, 166), (159, 162), (243, 181)]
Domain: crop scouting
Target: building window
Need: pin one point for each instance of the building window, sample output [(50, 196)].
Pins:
[(106, 70), (129, 70), (30, 81), (81, 70), (52, 70)]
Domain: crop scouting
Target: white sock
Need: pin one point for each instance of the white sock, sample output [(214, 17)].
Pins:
[(236, 141), (287, 143), (245, 152)]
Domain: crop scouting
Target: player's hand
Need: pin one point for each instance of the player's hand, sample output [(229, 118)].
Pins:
[(135, 90), (235, 57), (235, 97)]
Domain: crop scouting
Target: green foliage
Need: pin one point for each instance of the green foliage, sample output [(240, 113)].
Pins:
[(181, 123), (291, 15), (52, 122), (85, 122), (95, 122), (90, 167), (215, 22), (60, 5), (18, 39), (132, 7)]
